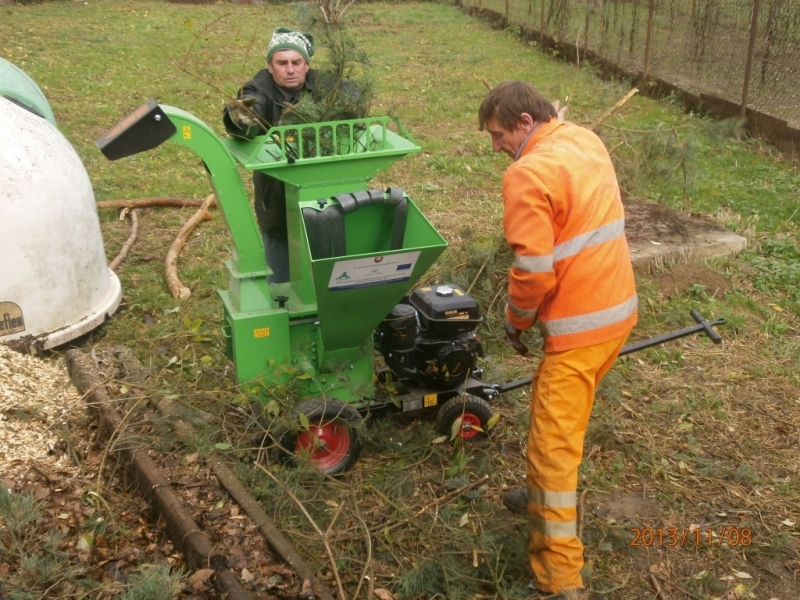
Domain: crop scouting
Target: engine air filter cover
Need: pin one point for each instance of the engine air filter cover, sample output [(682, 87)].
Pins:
[(446, 309), (400, 328)]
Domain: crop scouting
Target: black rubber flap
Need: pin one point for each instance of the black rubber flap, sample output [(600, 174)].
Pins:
[(144, 129)]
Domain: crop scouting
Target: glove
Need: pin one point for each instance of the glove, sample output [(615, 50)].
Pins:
[(560, 111), (512, 337), (241, 112)]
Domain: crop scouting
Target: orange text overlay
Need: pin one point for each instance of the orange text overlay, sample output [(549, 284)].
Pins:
[(675, 537)]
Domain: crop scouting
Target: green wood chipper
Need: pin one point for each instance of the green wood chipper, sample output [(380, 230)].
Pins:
[(355, 255)]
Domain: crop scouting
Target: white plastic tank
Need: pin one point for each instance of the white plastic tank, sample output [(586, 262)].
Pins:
[(55, 284)]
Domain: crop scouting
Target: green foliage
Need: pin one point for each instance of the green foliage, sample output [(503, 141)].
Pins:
[(698, 292), (745, 473), (658, 157), (33, 550), (41, 571), (723, 130), (781, 248), (776, 270), (437, 575), (344, 87), (19, 513), (459, 461), (153, 582)]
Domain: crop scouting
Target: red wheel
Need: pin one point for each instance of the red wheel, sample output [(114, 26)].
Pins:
[(475, 414), (328, 433), (326, 443), (468, 423)]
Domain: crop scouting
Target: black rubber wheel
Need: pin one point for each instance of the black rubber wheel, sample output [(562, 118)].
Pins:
[(334, 436), (472, 411)]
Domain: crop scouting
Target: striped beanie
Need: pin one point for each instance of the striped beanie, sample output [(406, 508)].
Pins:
[(284, 38)]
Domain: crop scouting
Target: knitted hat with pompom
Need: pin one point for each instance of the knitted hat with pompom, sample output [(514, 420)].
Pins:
[(284, 38)]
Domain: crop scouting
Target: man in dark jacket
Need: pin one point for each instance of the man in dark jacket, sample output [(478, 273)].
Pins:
[(261, 103)]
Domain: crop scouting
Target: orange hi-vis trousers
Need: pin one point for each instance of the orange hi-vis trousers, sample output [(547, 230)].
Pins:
[(563, 394)]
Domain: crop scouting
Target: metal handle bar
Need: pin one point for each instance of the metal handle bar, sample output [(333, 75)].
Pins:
[(702, 325)]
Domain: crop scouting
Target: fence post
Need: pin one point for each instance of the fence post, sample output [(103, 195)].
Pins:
[(586, 23), (541, 24), (648, 44), (749, 64)]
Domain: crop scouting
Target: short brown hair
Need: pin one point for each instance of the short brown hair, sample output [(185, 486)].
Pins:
[(508, 100)]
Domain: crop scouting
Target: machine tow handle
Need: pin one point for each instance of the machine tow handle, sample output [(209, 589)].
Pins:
[(702, 325), (709, 327)]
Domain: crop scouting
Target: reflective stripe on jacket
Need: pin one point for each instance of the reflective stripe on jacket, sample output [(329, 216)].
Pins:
[(564, 220)]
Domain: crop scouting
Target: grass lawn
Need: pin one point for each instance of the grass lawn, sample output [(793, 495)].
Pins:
[(690, 438)]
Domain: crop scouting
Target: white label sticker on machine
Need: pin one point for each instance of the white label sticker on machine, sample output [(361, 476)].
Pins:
[(378, 270)]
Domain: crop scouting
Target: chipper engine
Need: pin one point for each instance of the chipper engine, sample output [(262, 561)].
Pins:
[(430, 338), (355, 254)]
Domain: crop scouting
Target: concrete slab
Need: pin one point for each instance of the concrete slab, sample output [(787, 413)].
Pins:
[(659, 236)]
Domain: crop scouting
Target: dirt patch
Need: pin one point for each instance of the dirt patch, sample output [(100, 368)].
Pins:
[(670, 245), (659, 236), (625, 507), (647, 222), (679, 279)]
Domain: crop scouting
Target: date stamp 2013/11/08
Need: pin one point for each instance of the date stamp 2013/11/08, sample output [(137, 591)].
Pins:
[(673, 537)]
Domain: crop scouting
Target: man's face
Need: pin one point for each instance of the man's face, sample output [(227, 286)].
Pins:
[(509, 140), (288, 68)]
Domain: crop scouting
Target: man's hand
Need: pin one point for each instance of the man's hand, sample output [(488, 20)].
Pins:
[(512, 337), (241, 112)]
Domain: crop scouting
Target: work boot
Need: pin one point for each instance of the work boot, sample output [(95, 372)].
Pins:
[(578, 594), (516, 501)]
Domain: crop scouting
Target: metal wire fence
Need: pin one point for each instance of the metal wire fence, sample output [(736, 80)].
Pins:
[(744, 51)]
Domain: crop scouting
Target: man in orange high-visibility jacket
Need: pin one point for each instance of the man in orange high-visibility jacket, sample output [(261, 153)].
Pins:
[(572, 274)]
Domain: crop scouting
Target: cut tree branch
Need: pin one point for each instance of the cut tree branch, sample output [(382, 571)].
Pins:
[(616, 107), (145, 202), (176, 288), (266, 526), (323, 536), (126, 247), (436, 503)]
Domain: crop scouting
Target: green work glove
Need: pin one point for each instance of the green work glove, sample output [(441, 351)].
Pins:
[(241, 112), (512, 337)]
